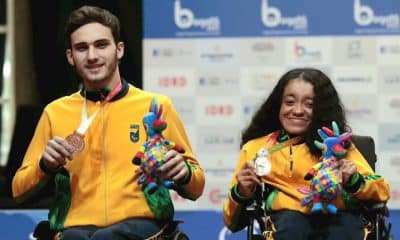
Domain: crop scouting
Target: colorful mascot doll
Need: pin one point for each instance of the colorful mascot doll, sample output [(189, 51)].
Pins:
[(150, 157), (324, 185)]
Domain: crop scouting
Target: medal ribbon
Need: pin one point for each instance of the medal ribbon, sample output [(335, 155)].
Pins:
[(273, 147), (85, 121)]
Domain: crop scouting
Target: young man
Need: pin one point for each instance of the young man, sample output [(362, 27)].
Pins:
[(87, 141)]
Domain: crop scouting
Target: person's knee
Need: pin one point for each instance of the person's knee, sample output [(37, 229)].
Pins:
[(103, 234), (74, 234), (291, 224), (347, 226)]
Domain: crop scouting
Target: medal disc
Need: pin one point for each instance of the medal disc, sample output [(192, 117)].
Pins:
[(76, 140), (261, 163)]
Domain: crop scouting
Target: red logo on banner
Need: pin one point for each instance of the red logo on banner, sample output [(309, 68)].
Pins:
[(395, 195), (216, 196), (172, 82), (219, 110)]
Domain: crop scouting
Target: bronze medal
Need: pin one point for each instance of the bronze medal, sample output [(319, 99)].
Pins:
[(77, 141)]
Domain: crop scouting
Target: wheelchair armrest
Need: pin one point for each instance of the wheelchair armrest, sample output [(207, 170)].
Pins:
[(377, 208)]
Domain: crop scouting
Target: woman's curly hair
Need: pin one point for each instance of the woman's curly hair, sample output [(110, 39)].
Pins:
[(327, 107)]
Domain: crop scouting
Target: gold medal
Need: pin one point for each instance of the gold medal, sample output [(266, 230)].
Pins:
[(77, 141), (262, 164)]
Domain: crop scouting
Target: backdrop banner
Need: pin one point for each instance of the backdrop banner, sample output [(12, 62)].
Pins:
[(218, 60)]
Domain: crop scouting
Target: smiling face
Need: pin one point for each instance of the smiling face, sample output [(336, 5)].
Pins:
[(95, 55), (296, 109)]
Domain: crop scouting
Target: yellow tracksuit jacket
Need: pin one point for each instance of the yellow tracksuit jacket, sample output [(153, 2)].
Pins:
[(103, 180), (287, 195)]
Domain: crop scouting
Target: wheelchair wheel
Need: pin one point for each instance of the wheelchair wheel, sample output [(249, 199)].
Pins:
[(180, 236)]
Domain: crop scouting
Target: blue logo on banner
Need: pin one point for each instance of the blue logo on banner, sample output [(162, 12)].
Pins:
[(272, 18), (365, 16), (185, 19), (243, 18)]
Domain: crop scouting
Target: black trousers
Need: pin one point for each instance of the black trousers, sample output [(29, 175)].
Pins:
[(132, 229), (295, 225)]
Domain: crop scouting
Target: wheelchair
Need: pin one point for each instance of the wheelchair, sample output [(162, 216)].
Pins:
[(260, 227)]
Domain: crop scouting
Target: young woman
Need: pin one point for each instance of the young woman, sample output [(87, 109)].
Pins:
[(303, 101)]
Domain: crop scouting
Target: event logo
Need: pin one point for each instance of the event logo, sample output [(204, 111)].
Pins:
[(364, 16), (185, 19), (272, 17)]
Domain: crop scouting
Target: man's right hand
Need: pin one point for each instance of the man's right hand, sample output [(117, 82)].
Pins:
[(247, 180), (57, 151)]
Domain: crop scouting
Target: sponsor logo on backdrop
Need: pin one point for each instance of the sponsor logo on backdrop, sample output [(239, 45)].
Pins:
[(220, 172), (395, 195), (217, 81), (216, 196), (389, 49), (392, 79), (389, 81), (223, 82), (366, 17), (259, 80), (218, 139), (305, 53), (219, 110), (276, 22), (261, 47), (172, 81), (248, 109), (185, 19), (395, 103), (389, 137), (361, 108), (185, 107), (217, 55), (170, 53), (354, 79), (395, 161), (261, 52), (354, 50)]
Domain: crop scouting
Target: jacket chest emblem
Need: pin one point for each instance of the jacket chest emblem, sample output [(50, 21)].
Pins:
[(134, 133)]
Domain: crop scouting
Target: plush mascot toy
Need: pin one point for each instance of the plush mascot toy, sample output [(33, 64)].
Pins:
[(324, 185), (151, 155)]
